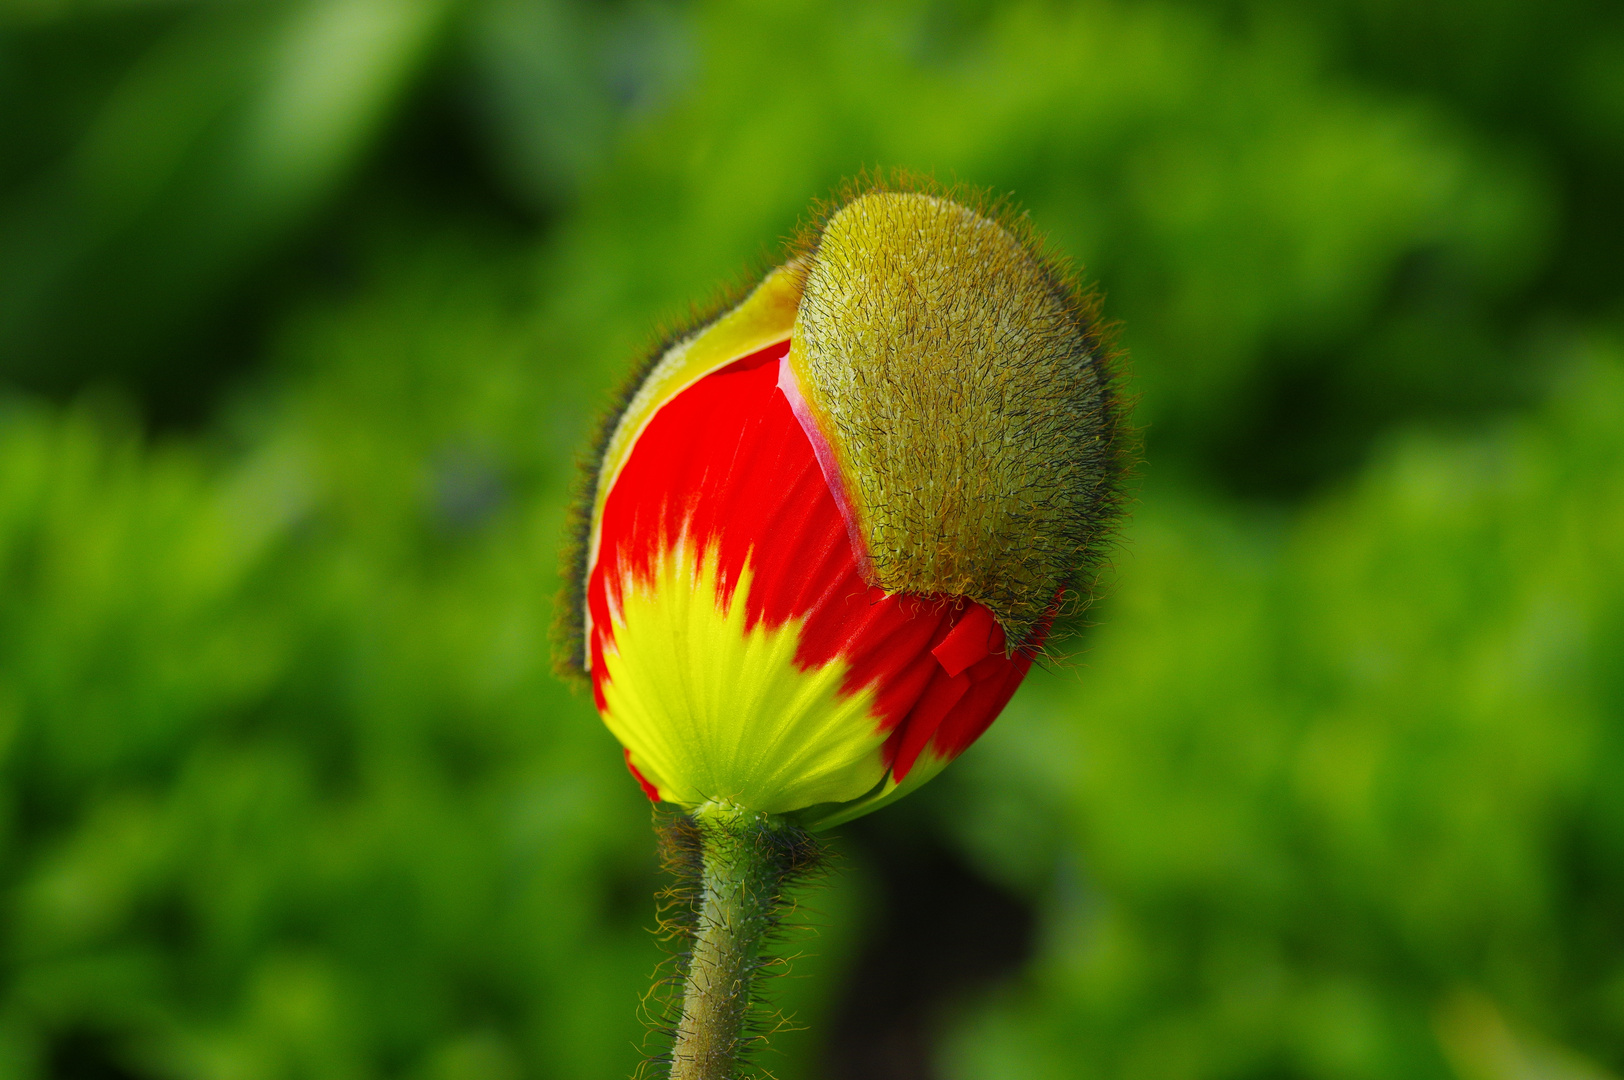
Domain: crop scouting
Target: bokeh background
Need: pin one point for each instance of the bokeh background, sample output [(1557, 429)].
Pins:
[(305, 306)]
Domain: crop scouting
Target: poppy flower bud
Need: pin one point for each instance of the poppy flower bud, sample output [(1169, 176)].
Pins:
[(831, 529)]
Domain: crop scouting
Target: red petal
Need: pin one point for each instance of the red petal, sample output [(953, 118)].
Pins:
[(934, 705), (970, 640), (649, 789)]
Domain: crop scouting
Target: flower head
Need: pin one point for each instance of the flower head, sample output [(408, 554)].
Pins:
[(832, 527)]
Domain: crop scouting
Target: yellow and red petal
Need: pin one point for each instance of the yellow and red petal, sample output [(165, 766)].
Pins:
[(735, 648)]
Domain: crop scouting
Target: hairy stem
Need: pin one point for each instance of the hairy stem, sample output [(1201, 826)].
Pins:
[(747, 859)]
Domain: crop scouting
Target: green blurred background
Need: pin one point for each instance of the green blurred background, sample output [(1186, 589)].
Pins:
[(305, 306)]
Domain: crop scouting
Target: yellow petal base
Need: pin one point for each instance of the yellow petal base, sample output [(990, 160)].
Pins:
[(711, 711)]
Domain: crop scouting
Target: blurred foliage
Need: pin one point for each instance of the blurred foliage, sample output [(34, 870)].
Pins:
[(306, 304), (1370, 764)]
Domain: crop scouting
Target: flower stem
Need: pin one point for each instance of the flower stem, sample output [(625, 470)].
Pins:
[(747, 859)]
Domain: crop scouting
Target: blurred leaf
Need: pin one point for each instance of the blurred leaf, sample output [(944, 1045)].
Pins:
[(1482, 1047), (224, 138)]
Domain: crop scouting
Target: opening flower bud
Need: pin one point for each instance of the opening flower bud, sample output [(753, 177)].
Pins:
[(831, 529)]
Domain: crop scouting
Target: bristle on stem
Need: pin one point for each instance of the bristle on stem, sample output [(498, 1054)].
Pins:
[(746, 861)]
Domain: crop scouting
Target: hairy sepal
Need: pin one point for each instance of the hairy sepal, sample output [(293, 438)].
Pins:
[(967, 387)]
